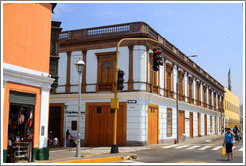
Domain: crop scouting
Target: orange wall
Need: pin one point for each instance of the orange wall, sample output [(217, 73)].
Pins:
[(25, 89), (26, 35)]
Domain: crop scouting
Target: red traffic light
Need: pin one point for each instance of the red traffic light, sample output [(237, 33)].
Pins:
[(155, 51)]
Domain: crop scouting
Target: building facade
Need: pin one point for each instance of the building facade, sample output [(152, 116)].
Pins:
[(232, 109), (26, 79), (147, 113)]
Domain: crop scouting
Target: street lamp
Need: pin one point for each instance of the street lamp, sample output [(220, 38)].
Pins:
[(80, 64), (177, 100), (65, 124)]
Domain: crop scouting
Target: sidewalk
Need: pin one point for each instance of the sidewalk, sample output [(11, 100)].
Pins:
[(102, 154)]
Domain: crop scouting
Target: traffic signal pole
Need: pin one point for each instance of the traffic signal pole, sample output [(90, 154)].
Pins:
[(115, 100)]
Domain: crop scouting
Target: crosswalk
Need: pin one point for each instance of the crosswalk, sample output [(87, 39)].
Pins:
[(199, 147)]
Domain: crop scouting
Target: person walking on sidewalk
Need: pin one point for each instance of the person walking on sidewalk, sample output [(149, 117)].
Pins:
[(228, 142), (236, 132), (67, 135)]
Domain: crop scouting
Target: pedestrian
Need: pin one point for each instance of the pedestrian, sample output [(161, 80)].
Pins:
[(67, 135), (236, 132), (50, 138), (228, 142)]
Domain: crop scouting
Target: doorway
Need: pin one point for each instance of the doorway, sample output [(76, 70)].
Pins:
[(181, 123), (20, 132), (205, 125), (56, 115), (198, 124), (100, 124), (191, 124), (153, 127)]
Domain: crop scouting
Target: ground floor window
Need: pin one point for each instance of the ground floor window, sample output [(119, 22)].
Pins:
[(169, 122)]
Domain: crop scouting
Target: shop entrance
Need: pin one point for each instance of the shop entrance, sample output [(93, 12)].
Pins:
[(20, 126), (20, 132)]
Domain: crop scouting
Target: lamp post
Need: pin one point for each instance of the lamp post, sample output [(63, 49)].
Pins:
[(80, 64), (65, 124), (177, 100)]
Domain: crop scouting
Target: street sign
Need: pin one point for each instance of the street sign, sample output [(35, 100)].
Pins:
[(132, 101)]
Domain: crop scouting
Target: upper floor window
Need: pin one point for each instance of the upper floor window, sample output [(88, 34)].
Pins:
[(218, 99), (190, 90), (153, 77), (105, 71), (204, 96), (169, 80), (181, 86), (210, 98), (214, 101), (198, 99)]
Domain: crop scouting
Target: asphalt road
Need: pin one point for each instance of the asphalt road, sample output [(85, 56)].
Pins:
[(204, 151)]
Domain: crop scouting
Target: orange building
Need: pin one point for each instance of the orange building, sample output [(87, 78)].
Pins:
[(26, 79)]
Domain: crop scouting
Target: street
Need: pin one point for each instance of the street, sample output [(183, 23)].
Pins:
[(202, 151)]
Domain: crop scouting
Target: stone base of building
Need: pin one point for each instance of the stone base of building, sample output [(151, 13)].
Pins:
[(40, 153), (4, 155), (136, 143)]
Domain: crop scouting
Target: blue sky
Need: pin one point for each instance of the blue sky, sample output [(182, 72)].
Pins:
[(214, 31)]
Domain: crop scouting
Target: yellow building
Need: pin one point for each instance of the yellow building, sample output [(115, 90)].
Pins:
[(232, 109)]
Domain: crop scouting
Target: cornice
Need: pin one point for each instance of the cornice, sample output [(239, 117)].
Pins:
[(129, 95)]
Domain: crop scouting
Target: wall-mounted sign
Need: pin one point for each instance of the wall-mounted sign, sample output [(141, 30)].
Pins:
[(42, 131), (132, 101)]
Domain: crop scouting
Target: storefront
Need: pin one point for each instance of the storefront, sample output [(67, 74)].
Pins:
[(25, 120), (20, 126)]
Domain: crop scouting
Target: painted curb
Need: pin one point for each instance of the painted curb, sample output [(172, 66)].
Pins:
[(101, 160)]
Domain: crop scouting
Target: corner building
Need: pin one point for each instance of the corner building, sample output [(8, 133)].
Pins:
[(147, 113), (232, 109), (26, 81)]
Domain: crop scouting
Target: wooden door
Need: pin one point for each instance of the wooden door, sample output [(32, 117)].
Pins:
[(153, 127), (181, 123), (191, 124), (198, 123), (205, 124), (100, 124)]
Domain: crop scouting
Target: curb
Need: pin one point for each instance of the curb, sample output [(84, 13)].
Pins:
[(101, 160)]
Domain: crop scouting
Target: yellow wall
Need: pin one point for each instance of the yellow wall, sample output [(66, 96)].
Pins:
[(26, 35), (232, 109)]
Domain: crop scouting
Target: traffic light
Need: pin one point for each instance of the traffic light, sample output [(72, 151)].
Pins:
[(157, 59), (120, 81)]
